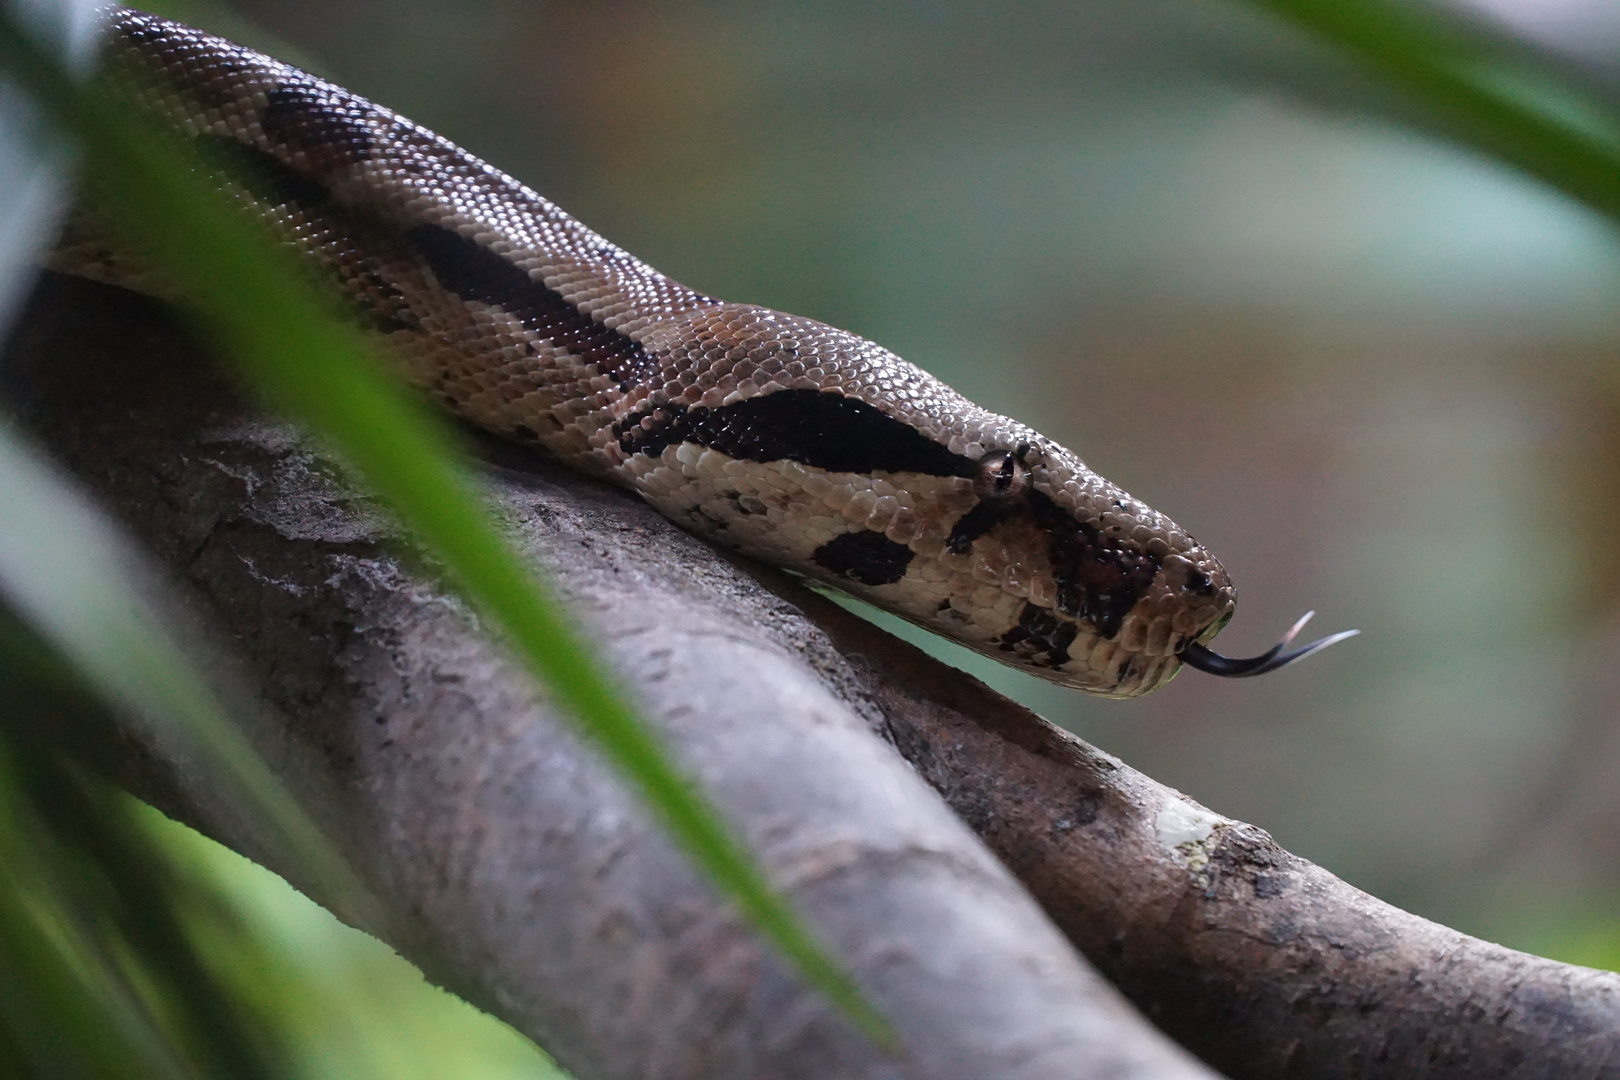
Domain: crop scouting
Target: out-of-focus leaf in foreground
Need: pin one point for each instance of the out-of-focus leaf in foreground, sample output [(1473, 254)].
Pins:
[(318, 370), (99, 974), (106, 952), (67, 573), (1482, 88)]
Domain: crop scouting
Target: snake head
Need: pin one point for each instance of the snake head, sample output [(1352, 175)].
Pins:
[(1111, 596), (817, 450), (1096, 589)]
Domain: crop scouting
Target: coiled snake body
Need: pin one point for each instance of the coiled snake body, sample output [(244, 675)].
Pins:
[(771, 434)]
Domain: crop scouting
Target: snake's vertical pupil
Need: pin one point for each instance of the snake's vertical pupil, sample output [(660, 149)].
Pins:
[(1001, 476)]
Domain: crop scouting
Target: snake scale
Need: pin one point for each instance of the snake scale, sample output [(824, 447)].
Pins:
[(770, 434)]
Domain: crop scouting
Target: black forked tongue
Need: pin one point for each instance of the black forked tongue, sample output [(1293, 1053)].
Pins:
[(1196, 656)]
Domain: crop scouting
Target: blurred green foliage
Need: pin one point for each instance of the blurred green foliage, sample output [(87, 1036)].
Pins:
[(106, 950), (344, 1004), (1481, 87)]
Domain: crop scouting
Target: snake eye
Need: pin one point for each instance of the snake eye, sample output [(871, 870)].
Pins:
[(1001, 476)]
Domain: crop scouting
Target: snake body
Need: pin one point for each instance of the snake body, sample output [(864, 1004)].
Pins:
[(771, 434)]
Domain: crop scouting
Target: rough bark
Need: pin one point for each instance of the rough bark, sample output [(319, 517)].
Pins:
[(518, 874), (1262, 963)]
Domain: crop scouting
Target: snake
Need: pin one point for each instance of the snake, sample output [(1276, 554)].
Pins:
[(772, 435)]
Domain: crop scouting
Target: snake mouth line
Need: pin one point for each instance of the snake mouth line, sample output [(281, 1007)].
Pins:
[(1201, 658)]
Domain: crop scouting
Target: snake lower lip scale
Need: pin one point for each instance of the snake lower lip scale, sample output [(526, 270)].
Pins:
[(774, 435)]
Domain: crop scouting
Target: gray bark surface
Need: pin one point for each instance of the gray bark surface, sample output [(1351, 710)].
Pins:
[(1265, 965), (517, 872)]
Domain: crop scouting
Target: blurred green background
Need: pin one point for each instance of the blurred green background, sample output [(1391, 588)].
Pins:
[(1376, 373)]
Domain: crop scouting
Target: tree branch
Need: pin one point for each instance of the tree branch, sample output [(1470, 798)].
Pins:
[(513, 870), (507, 861), (1262, 963)]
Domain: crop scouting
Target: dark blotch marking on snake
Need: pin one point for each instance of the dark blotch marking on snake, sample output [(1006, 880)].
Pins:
[(473, 272), (976, 522), (269, 179), (1041, 630), (866, 556), (375, 301), (1099, 577), (813, 427), (328, 127)]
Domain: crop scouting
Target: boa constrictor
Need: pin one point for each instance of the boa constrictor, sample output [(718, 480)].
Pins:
[(771, 434)]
